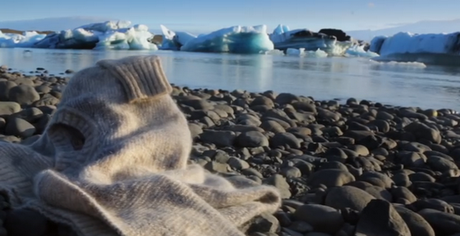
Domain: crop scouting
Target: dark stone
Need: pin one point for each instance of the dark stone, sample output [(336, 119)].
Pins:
[(418, 226), (348, 196), (8, 108), (330, 178), (251, 139), (380, 218), (424, 132), (5, 87), (23, 94), (284, 139), (19, 127), (264, 223), (219, 138), (443, 223), (279, 182), (322, 218)]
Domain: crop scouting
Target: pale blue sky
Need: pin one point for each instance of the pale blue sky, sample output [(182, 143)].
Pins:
[(213, 14)]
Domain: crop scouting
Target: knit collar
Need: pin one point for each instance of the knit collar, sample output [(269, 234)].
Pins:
[(142, 77)]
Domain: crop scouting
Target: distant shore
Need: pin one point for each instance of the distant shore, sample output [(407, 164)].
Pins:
[(13, 31)]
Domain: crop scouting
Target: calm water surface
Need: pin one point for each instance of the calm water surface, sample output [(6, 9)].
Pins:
[(321, 78)]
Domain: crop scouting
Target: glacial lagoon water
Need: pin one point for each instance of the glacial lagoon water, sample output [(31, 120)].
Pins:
[(322, 78)]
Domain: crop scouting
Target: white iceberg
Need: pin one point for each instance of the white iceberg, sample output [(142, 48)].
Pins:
[(316, 53), (303, 53), (433, 49), (236, 39), (284, 38), (358, 51), (174, 40), (381, 64), (26, 39), (110, 35), (406, 42), (295, 51), (376, 43), (274, 52)]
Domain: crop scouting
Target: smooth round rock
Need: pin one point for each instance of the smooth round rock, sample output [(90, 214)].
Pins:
[(23, 94), (19, 127), (443, 223), (330, 178), (251, 139), (418, 226), (323, 218), (379, 218), (348, 196)]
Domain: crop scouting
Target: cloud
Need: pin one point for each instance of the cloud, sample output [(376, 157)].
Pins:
[(371, 5)]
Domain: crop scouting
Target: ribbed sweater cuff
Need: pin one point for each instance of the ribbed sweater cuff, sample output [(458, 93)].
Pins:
[(141, 76)]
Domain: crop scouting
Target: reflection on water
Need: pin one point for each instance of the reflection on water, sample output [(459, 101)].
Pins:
[(321, 78)]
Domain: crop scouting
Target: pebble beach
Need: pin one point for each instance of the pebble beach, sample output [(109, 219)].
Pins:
[(343, 169)]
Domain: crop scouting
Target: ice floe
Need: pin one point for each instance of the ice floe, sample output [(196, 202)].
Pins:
[(235, 39), (26, 39), (398, 64), (406, 42), (326, 40), (359, 51), (110, 35)]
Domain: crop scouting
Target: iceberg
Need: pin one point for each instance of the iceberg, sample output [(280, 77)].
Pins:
[(110, 35), (26, 39), (376, 43), (235, 39), (406, 42), (295, 51), (317, 53), (325, 40), (433, 49), (274, 52), (135, 38), (174, 40), (302, 53), (359, 51)]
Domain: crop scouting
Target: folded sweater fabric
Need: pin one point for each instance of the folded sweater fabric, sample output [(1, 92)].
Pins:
[(114, 161)]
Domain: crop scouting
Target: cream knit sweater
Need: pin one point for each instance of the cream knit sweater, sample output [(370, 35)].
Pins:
[(113, 161)]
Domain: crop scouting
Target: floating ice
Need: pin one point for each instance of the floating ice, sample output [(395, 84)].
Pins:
[(358, 50), (135, 38), (107, 26), (174, 40), (376, 43), (27, 39), (284, 38), (295, 51), (236, 39), (406, 42), (299, 52), (302, 53), (317, 53), (275, 52), (111, 35), (399, 64)]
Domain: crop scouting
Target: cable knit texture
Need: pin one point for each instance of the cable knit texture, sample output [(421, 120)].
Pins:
[(114, 161)]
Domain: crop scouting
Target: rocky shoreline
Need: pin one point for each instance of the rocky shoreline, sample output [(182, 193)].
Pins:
[(360, 168)]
